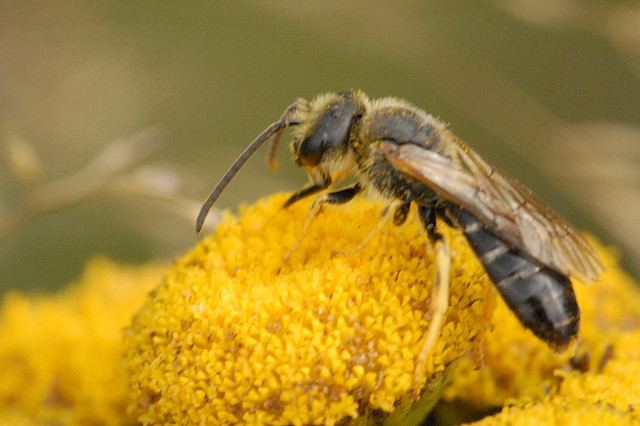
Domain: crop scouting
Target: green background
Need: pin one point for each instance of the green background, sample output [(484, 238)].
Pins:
[(548, 91)]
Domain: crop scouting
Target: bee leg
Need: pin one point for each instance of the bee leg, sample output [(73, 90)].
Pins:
[(440, 292), (306, 191), (401, 212), (397, 211), (340, 196)]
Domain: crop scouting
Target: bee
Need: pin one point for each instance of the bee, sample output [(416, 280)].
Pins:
[(404, 155)]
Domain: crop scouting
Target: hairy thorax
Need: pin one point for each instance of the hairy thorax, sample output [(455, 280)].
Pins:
[(399, 125)]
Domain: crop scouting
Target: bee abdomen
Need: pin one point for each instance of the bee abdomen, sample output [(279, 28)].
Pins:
[(542, 299)]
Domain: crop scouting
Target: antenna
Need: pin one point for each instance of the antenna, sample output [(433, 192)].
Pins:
[(236, 166)]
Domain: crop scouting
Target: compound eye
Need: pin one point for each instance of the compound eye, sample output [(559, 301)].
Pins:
[(311, 149), (331, 131)]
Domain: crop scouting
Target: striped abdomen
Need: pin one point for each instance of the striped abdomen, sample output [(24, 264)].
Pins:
[(542, 299)]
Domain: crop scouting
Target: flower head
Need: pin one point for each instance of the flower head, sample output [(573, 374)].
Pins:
[(60, 355), (573, 412), (237, 334), (608, 395)]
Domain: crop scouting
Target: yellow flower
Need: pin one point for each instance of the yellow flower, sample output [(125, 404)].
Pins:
[(574, 412), (237, 334), (60, 355), (608, 396)]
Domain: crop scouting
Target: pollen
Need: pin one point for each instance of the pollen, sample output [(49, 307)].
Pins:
[(237, 334)]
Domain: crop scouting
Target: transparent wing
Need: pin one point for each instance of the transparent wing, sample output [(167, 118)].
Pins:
[(502, 204)]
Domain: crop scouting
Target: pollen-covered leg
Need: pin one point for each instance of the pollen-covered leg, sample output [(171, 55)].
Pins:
[(439, 306), (439, 296), (336, 197), (389, 212)]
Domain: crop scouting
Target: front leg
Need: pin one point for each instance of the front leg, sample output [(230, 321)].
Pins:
[(307, 191), (340, 196)]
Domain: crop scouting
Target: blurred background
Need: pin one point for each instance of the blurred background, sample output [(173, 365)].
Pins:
[(117, 118)]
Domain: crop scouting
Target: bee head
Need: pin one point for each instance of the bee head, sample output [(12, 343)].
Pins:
[(321, 143), (322, 131)]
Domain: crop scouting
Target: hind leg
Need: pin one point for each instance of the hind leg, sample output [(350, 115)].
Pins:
[(439, 296)]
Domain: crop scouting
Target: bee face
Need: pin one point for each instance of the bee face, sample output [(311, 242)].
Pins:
[(321, 143)]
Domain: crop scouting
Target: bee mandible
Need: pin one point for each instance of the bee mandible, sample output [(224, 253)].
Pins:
[(404, 155)]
